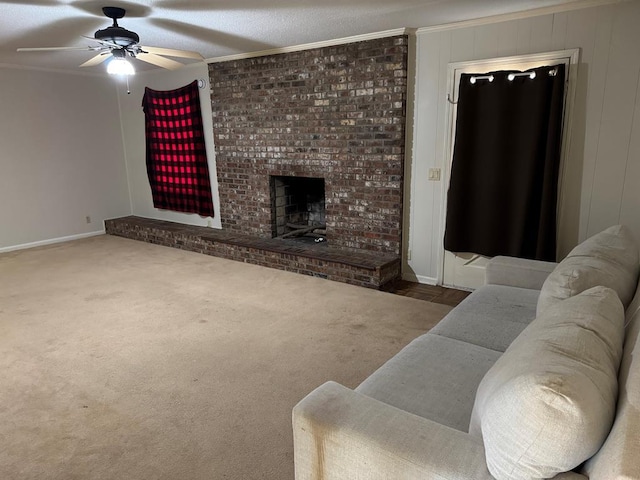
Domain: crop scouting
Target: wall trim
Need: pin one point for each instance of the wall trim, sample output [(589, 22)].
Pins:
[(51, 241), (571, 57), (410, 276), (310, 46), (426, 280), (505, 17), (409, 150)]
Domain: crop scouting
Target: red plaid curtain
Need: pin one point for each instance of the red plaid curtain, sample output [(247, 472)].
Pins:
[(176, 155)]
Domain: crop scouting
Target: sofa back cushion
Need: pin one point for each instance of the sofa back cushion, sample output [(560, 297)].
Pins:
[(609, 258), (548, 403), (619, 456)]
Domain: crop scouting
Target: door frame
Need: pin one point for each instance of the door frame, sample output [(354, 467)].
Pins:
[(570, 57)]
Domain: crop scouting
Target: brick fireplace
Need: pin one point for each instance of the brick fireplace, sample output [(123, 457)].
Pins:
[(335, 113), (305, 138)]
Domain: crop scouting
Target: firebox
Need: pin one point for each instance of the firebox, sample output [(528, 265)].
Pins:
[(298, 208)]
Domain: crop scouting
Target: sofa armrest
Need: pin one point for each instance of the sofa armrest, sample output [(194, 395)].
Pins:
[(341, 434), (518, 272)]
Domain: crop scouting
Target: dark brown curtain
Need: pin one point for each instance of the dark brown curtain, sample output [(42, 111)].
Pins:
[(176, 154), (504, 175)]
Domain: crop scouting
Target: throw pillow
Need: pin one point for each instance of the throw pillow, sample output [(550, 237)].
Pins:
[(548, 403), (609, 258)]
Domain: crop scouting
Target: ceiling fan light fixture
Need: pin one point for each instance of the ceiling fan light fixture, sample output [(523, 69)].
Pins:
[(116, 44), (120, 66)]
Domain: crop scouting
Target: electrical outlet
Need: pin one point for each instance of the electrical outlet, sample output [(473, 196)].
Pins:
[(88, 218), (409, 254), (209, 223), (434, 174)]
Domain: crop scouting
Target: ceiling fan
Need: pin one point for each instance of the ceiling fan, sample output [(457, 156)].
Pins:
[(118, 43)]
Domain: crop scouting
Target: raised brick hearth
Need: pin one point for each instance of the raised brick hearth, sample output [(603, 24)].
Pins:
[(366, 269)]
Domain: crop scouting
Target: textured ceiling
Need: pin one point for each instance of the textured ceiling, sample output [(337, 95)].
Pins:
[(217, 28)]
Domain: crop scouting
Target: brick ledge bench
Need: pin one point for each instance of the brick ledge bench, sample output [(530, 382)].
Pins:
[(366, 269)]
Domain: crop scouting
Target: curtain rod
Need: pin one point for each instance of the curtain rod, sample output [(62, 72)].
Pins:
[(553, 72)]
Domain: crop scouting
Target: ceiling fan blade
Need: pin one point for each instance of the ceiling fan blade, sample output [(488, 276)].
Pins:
[(208, 5), (65, 32), (159, 61), (44, 3), (97, 60), (235, 42), (172, 53), (43, 49)]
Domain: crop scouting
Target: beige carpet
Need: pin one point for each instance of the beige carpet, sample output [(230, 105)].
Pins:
[(124, 360)]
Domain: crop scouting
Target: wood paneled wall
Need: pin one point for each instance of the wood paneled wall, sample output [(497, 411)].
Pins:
[(602, 172)]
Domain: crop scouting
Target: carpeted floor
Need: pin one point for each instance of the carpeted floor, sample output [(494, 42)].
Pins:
[(125, 360)]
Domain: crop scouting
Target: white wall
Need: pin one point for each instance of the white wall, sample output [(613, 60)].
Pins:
[(602, 174), (61, 156), (132, 118)]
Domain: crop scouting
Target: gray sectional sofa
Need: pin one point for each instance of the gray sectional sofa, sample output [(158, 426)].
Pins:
[(534, 375)]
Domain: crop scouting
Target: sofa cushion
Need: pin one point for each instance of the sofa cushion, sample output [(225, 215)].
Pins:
[(618, 457), (548, 403), (518, 272), (491, 317), (609, 258), (433, 377)]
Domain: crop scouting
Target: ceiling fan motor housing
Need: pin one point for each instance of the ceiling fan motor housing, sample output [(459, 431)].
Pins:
[(115, 33)]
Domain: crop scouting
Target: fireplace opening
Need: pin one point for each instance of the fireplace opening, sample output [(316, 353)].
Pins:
[(298, 209)]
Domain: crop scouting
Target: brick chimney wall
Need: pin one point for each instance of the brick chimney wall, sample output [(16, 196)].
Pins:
[(335, 112)]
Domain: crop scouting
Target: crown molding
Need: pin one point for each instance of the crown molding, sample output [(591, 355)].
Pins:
[(565, 7), (310, 46)]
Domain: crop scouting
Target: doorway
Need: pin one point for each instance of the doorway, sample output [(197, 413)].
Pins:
[(466, 270)]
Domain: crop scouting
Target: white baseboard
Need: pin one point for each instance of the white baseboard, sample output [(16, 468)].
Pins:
[(427, 280), (51, 241), (411, 277)]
